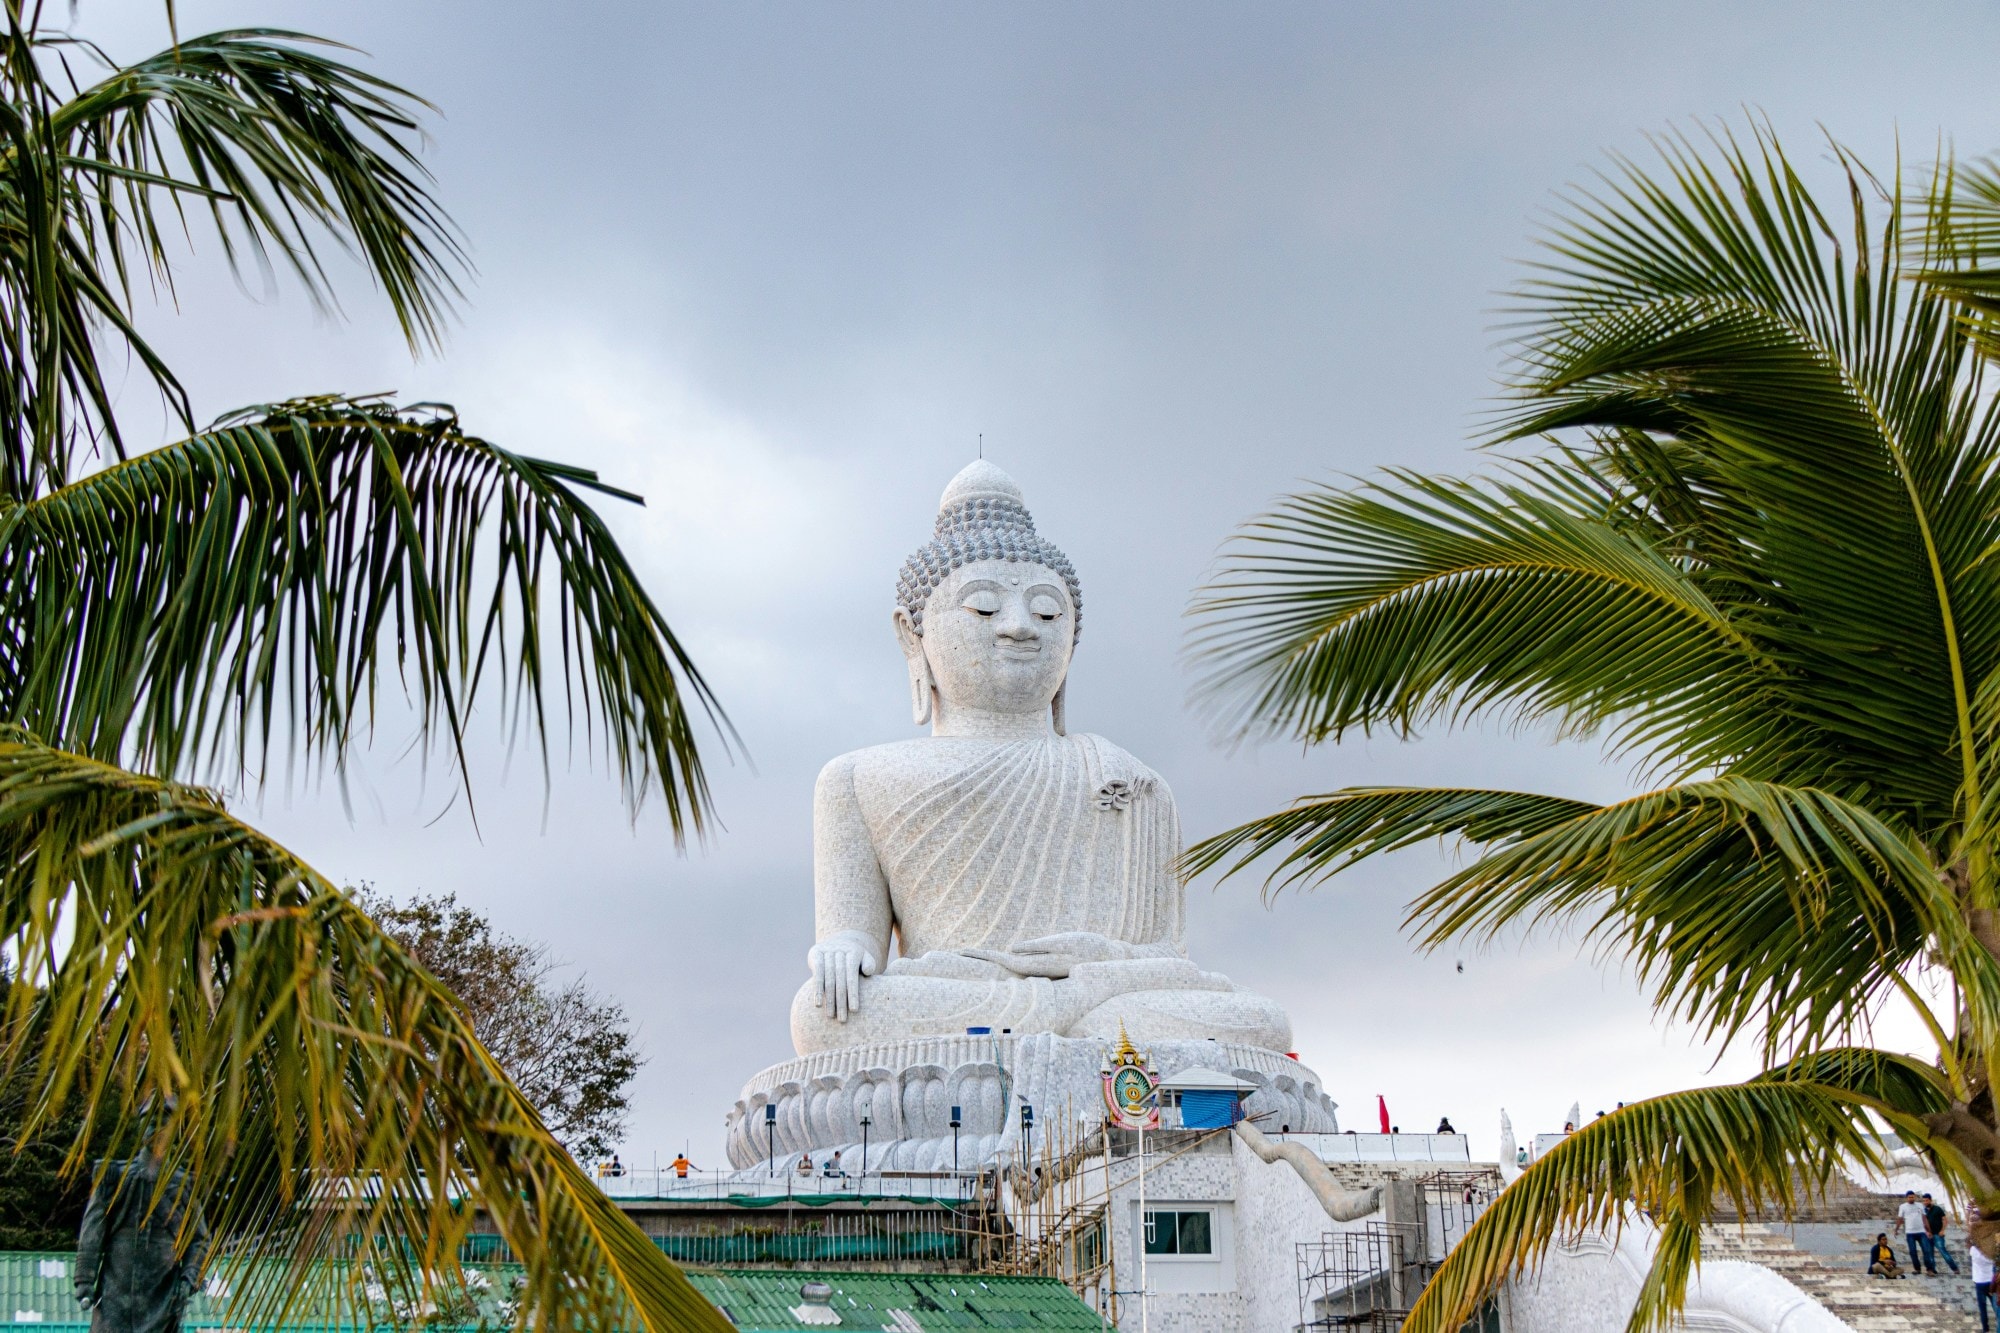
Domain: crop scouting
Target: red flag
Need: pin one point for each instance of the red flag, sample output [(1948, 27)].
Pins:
[(1382, 1107)]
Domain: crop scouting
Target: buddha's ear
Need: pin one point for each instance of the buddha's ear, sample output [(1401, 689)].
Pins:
[(1058, 715), (908, 637), (922, 687)]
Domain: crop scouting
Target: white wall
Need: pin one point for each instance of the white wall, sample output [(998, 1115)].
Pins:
[(1275, 1211), (1184, 1296)]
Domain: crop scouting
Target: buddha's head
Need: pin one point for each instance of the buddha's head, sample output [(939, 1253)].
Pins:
[(987, 612)]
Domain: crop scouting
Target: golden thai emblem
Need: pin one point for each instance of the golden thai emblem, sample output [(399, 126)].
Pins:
[(1130, 1087)]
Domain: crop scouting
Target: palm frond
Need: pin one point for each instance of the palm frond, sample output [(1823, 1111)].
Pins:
[(276, 140), (326, 1098), (1959, 238), (1775, 1141), (1394, 603), (286, 149), (261, 578), (1737, 389), (1742, 904), (1832, 422), (1331, 832)]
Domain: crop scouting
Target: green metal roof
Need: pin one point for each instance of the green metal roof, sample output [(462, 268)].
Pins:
[(895, 1302), (35, 1289)]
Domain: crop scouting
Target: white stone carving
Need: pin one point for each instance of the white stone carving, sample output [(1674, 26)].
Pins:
[(998, 873), (907, 1090), (1589, 1283), (1342, 1205), (1026, 877)]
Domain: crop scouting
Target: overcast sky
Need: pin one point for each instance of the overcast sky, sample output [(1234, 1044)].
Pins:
[(778, 266)]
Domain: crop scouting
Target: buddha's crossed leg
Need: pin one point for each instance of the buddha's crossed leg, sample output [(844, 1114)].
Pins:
[(938, 995)]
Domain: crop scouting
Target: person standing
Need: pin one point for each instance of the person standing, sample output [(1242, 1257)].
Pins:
[(1934, 1224), (681, 1165), (1916, 1234), (1982, 1285)]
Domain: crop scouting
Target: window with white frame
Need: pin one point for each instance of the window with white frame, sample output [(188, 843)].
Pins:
[(1180, 1231)]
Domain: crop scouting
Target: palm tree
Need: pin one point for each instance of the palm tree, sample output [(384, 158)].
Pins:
[(1748, 534), (172, 615)]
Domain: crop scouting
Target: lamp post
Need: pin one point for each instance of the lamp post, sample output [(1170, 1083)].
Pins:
[(771, 1136), (1028, 1141), (1152, 1100), (957, 1118), (865, 1122)]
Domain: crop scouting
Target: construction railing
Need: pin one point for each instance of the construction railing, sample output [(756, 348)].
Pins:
[(668, 1184)]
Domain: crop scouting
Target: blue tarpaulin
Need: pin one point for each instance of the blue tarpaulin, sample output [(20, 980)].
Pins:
[(1205, 1108)]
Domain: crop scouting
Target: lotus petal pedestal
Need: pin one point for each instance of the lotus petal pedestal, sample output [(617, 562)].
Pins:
[(907, 1089)]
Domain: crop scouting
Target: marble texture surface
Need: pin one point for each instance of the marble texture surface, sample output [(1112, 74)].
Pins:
[(907, 1090), (1591, 1282), (1001, 872), (1275, 1210)]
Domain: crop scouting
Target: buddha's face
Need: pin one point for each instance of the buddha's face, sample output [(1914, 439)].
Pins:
[(997, 635)]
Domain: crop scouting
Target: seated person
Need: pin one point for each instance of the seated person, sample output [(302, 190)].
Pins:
[(1882, 1257)]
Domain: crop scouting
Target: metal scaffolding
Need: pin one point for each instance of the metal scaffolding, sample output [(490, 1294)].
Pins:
[(1368, 1277)]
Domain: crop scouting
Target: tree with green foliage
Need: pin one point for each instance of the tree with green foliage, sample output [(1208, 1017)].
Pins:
[(179, 614), (568, 1048), (1745, 528)]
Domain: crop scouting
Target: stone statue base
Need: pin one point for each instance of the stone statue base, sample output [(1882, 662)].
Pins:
[(907, 1089)]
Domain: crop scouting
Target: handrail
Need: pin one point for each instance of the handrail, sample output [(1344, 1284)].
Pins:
[(665, 1185), (1341, 1205)]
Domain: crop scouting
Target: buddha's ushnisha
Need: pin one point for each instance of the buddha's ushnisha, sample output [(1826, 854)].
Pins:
[(1025, 876)]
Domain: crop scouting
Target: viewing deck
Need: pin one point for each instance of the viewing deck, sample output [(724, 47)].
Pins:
[(665, 1185)]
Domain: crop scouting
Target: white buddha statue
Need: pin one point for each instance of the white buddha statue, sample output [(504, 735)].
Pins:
[(1025, 876)]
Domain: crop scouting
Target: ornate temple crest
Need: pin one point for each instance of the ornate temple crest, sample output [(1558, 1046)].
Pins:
[(1131, 1087)]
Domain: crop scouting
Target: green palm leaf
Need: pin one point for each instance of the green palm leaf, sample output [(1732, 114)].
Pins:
[(287, 150), (261, 577), (278, 141), (1776, 1140), (1841, 435), (1753, 543), (255, 586), (1392, 604), (1741, 903), (328, 1098)]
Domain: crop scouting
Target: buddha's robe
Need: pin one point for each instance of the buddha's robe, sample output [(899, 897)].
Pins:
[(982, 846)]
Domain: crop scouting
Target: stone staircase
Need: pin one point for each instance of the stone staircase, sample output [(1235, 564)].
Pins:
[(1841, 1201), (1867, 1304)]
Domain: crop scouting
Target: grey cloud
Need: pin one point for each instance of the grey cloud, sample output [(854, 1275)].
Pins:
[(780, 265)]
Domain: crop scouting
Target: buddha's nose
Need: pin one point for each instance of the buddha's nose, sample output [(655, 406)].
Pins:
[(1017, 625)]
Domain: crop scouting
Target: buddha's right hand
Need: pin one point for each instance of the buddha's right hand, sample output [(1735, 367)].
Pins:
[(838, 963)]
